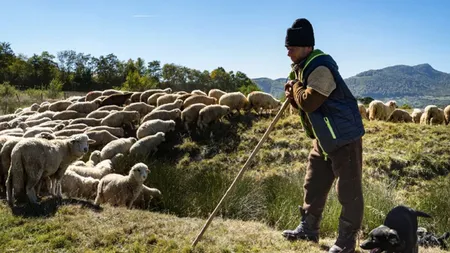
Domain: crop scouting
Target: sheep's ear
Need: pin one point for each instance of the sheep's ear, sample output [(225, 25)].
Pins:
[(91, 141)]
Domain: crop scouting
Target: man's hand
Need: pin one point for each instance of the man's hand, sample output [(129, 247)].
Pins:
[(289, 89)]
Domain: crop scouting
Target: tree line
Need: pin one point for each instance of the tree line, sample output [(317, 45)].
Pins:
[(76, 71)]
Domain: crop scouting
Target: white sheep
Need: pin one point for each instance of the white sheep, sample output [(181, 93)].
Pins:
[(211, 113), (140, 107), (216, 93), (7, 117), (261, 101), (101, 137), (163, 115), (116, 131), (31, 132), (447, 114), (33, 159), (143, 147), (109, 92), (46, 114), (69, 132), (381, 111), (98, 114), (76, 126), (146, 196), (4, 126), (195, 99), (68, 114), (74, 185), (120, 190), (166, 99), (433, 115), (94, 159), (146, 94), (236, 101), (198, 92), (120, 118), (363, 111), (416, 114), (32, 123), (110, 108), (154, 126), (85, 107), (152, 100), (189, 114), (7, 143), (99, 170), (92, 95), (177, 104), (136, 97), (44, 106), (121, 145), (89, 122), (59, 106)]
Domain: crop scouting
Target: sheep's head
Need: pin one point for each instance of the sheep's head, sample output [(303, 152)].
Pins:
[(80, 144), (139, 171), (161, 136), (392, 104), (45, 135), (179, 103), (168, 90), (226, 109)]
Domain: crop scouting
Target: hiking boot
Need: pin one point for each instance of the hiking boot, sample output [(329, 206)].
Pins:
[(346, 241), (308, 229)]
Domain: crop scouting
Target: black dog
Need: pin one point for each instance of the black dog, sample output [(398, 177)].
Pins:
[(428, 239), (397, 234)]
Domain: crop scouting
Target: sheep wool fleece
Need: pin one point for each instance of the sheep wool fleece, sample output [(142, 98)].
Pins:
[(336, 155)]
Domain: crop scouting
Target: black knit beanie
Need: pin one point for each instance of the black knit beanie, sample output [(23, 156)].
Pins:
[(301, 34)]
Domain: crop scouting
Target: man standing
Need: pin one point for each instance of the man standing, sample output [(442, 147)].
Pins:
[(330, 116)]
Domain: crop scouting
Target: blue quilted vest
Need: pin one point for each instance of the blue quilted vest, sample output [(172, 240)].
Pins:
[(337, 121)]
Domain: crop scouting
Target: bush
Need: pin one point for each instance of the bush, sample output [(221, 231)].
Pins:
[(55, 89)]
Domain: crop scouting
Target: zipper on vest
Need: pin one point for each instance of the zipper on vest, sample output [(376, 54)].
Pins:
[(327, 122)]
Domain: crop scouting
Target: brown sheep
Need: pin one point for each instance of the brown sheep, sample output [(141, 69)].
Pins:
[(400, 115), (447, 114)]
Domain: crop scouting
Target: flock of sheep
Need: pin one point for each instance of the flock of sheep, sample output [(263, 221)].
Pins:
[(42, 147), (430, 115)]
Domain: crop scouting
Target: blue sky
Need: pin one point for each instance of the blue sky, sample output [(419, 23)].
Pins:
[(238, 35)]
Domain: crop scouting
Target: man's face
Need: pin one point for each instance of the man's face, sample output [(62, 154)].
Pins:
[(297, 54)]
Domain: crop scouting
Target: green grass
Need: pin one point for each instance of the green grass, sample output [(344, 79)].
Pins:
[(402, 164)]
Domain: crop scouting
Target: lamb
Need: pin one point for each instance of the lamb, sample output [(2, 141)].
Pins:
[(116, 131), (101, 137), (33, 159), (59, 106), (143, 147), (363, 111), (199, 99), (211, 113), (198, 92), (97, 171), (136, 97), (116, 99), (94, 159), (189, 114), (154, 126), (85, 107), (416, 114), (146, 196), (433, 115), (90, 122), (216, 93), (121, 118), (163, 115), (381, 111), (148, 93), (177, 104), (263, 101), (68, 114), (236, 101), (447, 114), (117, 146), (140, 107), (74, 185), (120, 190), (152, 100), (92, 95), (165, 99), (400, 115), (108, 92)]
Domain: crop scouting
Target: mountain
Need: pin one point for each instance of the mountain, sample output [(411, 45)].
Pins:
[(274, 87), (416, 85)]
